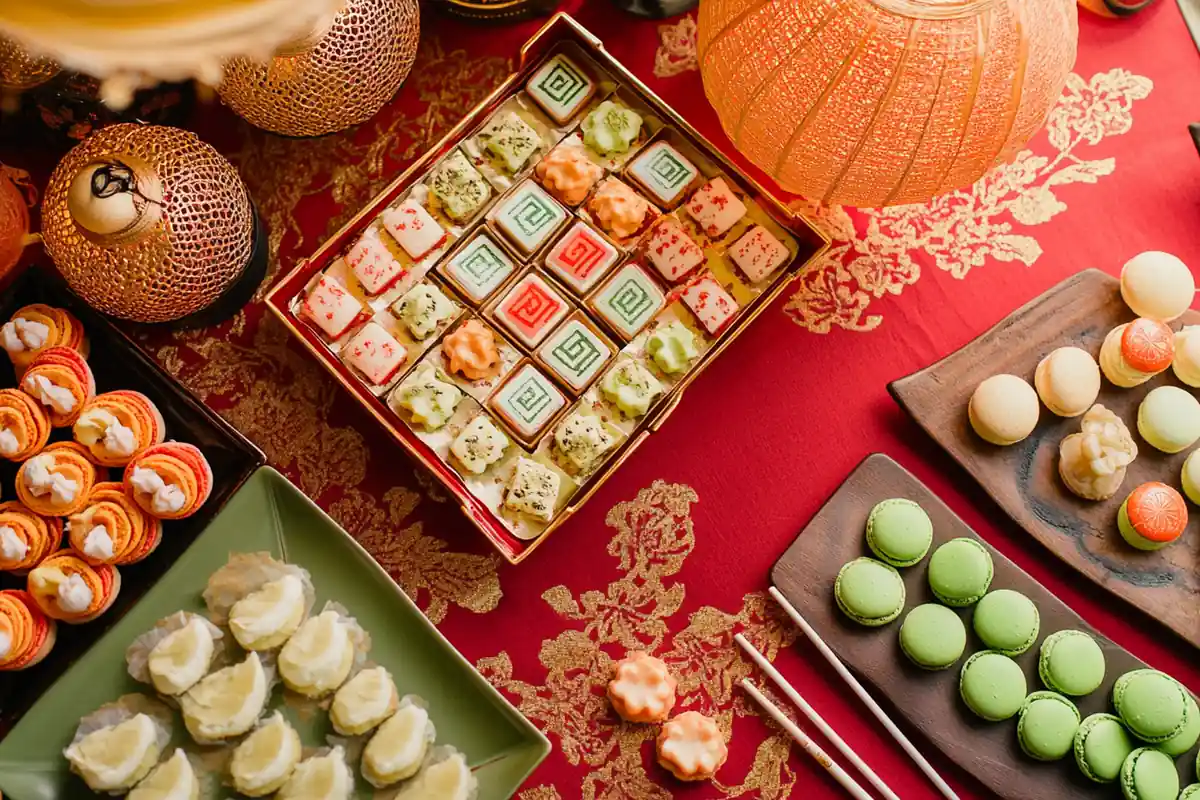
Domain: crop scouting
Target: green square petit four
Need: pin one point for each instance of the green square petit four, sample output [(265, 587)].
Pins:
[(575, 353), (459, 187), (511, 140), (528, 402), (561, 88), (478, 268), (664, 173), (529, 217), (628, 300)]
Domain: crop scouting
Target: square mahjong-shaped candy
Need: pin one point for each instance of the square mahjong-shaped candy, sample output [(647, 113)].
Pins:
[(628, 300), (576, 353), (510, 140), (758, 253), (375, 353), (528, 402), (414, 228), (581, 257), (561, 88), (373, 264), (330, 306), (479, 267), (664, 173), (530, 309), (529, 217), (458, 186), (713, 306), (671, 251), (715, 207)]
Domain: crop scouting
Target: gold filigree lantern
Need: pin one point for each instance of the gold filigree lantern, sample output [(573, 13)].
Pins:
[(19, 70), (338, 75), (150, 224)]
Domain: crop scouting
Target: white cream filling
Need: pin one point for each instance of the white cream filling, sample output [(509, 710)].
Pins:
[(99, 425), (12, 547), (98, 544), (9, 445), (74, 595), (168, 500), (50, 394), (146, 481), (40, 481), (21, 334), (253, 619)]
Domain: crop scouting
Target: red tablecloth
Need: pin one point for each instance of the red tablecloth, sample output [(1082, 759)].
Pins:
[(672, 555)]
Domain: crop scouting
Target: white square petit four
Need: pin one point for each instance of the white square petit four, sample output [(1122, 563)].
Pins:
[(424, 309), (664, 173), (375, 353), (530, 309), (628, 300), (477, 269), (479, 445), (581, 258), (414, 228), (575, 353), (458, 186), (373, 264), (561, 88), (758, 253), (510, 140), (529, 217), (713, 306), (527, 402), (631, 388), (715, 207), (583, 440), (533, 490), (331, 307), (671, 251)]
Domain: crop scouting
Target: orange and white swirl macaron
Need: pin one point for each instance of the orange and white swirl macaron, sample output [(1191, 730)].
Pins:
[(25, 538), (34, 328), (1135, 352), (57, 481), (26, 634), (642, 688), (116, 426), (24, 425), (170, 480), (68, 589), (60, 379), (691, 747), (112, 528)]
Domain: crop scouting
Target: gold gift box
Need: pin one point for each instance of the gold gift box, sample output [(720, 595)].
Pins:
[(561, 31)]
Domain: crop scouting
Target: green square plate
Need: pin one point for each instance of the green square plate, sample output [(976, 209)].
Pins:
[(270, 514)]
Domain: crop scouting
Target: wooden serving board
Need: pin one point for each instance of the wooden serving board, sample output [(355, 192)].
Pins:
[(930, 701), (1023, 478)]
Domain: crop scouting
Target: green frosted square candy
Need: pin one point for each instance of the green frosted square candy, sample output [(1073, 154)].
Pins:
[(529, 217), (664, 173), (479, 268), (629, 300), (458, 186), (528, 402), (576, 354), (561, 88), (511, 140)]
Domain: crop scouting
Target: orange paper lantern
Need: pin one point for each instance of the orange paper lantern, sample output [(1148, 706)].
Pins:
[(883, 102)]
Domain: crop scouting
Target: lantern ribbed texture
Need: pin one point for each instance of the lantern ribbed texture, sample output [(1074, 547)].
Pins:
[(14, 222), (882, 102)]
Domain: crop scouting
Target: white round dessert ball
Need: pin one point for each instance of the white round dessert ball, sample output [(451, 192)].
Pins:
[(1157, 285)]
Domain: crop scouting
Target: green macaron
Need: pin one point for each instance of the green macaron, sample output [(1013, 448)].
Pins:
[(932, 636), (1148, 774), (1183, 741), (869, 591), (1047, 725), (960, 571), (1152, 704), (899, 532), (1101, 746), (1190, 792), (992, 685), (1072, 663), (1006, 621)]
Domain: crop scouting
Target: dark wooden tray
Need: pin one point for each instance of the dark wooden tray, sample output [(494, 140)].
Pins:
[(118, 363), (1024, 479), (929, 701)]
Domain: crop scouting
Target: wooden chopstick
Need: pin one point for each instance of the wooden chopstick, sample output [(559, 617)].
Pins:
[(769, 669), (868, 701)]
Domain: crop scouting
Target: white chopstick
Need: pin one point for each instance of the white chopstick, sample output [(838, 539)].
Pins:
[(812, 748), (815, 718), (857, 688)]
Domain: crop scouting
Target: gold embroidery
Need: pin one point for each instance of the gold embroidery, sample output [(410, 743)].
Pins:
[(677, 52), (540, 793), (966, 228)]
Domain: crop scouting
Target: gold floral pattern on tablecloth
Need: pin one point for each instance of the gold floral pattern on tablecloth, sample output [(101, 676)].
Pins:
[(676, 52), (653, 537)]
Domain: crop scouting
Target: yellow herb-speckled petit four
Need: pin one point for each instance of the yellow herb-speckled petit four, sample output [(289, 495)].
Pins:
[(510, 140), (479, 445), (459, 187), (533, 490), (672, 346), (583, 440), (423, 309), (631, 387), (430, 400), (611, 128)]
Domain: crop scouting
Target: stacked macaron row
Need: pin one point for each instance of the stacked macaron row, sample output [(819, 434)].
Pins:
[(1004, 408), (70, 528), (1149, 706)]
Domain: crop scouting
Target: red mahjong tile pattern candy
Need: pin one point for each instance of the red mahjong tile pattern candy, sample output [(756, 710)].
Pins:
[(531, 309), (581, 257)]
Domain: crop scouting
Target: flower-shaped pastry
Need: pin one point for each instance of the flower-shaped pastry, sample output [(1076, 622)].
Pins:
[(60, 379), (471, 351), (67, 588), (620, 210), (26, 634), (116, 426), (170, 480), (57, 481), (642, 689), (611, 128), (569, 174), (36, 327), (25, 538), (24, 425), (112, 529), (691, 747)]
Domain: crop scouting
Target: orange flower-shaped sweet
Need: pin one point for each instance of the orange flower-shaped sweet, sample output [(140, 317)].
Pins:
[(471, 351), (36, 327), (68, 589), (24, 425), (691, 747), (1148, 345), (620, 210), (642, 689), (170, 480), (569, 174), (116, 426), (1157, 512), (60, 379), (57, 481), (25, 538), (26, 634)]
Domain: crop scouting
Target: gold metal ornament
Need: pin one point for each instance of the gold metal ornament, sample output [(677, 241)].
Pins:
[(19, 70), (147, 223), (339, 75)]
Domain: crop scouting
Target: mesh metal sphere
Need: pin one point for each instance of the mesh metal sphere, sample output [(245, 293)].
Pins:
[(19, 70), (192, 242), (341, 79)]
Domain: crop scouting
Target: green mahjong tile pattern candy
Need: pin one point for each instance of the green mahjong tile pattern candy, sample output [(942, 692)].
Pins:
[(560, 87), (629, 300), (663, 172), (479, 267), (528, 401), (529, 217), (576, 354)]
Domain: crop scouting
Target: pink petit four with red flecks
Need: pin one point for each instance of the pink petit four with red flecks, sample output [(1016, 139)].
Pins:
[(672, 251), (375, 353), (758, 253), (414, 228), (713, 306), (374, 265), (332, 308), (715, 207)]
